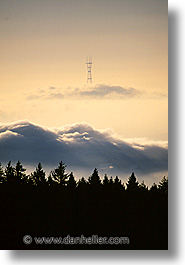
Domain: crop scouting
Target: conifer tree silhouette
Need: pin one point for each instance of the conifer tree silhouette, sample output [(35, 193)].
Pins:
[(2, 178), (111, 181), (132, 184), (143, 186), (10, 173), (39, 176), (163, 185), (153, 188), (94, 180), (105, 180), (59, 174), (71, 181), (82, 183), (20, 173)]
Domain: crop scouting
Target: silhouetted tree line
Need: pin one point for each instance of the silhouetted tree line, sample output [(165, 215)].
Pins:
[(57, 205)]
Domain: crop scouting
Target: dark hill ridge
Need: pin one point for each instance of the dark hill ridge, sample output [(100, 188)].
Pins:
[(80, 146)]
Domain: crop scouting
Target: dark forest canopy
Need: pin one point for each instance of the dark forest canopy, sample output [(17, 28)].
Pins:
[(58, 205), (59, 177)]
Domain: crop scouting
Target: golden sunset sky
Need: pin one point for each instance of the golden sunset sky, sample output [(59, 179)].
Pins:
[(44, 45)]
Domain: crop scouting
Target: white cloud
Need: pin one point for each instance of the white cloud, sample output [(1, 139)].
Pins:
[(8, 134)]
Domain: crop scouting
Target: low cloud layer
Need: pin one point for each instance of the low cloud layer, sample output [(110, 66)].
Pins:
[(81, 147), (107, 90), (99, 91)]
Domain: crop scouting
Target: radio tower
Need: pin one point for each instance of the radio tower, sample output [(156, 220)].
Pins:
[(89, 66)]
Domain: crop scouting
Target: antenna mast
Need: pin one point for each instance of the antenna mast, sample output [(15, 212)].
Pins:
[(89, 66)]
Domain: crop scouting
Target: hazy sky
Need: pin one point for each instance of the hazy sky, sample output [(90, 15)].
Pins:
[(43, 49)]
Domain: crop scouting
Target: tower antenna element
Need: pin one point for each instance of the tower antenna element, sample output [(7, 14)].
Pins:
[(89, 68)]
